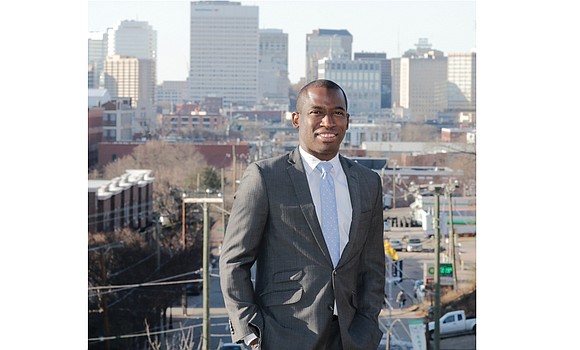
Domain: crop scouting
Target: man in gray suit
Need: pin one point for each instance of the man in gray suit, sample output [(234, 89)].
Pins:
[(302, 299)]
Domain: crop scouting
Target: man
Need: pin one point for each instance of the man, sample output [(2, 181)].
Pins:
[(303, 298)]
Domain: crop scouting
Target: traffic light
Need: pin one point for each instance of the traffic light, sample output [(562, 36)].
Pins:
[(397, 269)]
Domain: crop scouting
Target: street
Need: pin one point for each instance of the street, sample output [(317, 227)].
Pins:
[(190, 325)]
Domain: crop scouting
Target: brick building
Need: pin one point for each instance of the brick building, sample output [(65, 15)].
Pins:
[(217, 155), (125, 201)]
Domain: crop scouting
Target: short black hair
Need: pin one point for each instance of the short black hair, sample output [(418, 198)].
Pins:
[(329, 84)]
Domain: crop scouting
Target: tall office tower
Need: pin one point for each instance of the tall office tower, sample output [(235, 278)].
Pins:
[(133, 38), (385, 65), (395, 82), (360, 79), (224, 52), (273, 82), (422, 83), (461, 69), (131, 77), (97, 44), (329, 43), (132, 64)]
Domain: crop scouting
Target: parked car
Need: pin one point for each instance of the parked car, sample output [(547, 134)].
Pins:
[(396, 244), (414, 245), (454, 323)]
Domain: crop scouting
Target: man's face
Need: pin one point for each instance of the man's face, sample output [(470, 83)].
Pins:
[(322, 122)]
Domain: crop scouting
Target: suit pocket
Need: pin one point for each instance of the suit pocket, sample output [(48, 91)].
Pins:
[(288, 276), (282, 297)]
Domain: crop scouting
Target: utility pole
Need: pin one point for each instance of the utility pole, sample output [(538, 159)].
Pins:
[(234, 165), (183, 288), (437, 189), (451, 234), (158, 253), (437, 308), (206, 335)]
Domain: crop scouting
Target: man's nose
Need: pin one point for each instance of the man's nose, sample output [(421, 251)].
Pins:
[(327, 120)]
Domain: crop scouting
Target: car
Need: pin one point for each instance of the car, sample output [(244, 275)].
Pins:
[(414, 245), (396, 244), (231, 346)]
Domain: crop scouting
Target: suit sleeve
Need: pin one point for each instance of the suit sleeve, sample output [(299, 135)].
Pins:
[(372, 280), (239, 250)]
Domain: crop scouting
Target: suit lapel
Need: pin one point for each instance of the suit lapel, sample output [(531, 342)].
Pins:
[(354, 191), (300, 183)]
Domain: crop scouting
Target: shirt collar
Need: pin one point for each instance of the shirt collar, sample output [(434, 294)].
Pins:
[(310, 162)]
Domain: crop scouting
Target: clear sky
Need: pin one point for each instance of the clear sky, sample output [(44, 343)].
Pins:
[(376, 26)]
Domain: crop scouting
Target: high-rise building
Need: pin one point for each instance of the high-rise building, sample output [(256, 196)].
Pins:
[(273, 82), (360, 79), (329, 43), (97, 45), (131, 77), (131, 69), (461, 93), (224, 52), (422, 83), (133, 38), (385, 66)]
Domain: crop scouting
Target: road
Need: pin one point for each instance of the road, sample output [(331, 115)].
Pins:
[(412, 271), (190, 325)]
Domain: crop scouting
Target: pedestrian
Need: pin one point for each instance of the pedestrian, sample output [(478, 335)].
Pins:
[(401, 298), (314, 289)]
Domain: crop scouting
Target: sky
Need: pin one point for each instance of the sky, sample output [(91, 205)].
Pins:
[(376, 26)]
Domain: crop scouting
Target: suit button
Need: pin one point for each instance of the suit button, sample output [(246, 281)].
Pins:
[(331, 307)]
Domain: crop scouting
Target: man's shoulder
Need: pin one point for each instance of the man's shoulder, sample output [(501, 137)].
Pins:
[(354, 166), (273, 161)]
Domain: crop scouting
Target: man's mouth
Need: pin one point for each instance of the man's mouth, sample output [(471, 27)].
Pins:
[(327, 136)]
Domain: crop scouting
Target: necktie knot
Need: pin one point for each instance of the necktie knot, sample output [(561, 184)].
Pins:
[(324, 168)]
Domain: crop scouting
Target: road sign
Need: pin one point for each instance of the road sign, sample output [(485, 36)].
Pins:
[(445, 273)]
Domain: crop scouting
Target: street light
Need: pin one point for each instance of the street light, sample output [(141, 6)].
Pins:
[(206, 316)]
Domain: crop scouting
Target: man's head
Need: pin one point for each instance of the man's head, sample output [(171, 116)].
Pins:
[(321, 118)]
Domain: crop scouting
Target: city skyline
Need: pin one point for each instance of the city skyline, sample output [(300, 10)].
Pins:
[(449, 26)]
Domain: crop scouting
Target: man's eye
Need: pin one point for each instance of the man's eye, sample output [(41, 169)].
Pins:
[(316, 112)]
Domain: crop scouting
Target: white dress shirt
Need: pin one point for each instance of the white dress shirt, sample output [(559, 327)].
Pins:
[(343, 204)]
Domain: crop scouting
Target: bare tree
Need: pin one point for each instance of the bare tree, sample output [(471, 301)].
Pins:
[(175, 167)]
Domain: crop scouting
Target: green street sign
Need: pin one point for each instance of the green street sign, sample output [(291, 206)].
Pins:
[(444, 269)]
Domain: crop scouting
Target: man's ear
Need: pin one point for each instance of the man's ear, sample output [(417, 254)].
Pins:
[(295, 120)]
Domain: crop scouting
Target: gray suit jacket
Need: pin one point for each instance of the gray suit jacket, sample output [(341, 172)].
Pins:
[(273, 223)]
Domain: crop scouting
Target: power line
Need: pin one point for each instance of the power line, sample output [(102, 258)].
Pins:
[(136, 335), (149, 284)]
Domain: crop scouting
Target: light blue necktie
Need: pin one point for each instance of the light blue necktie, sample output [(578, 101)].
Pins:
[(328, 212)]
